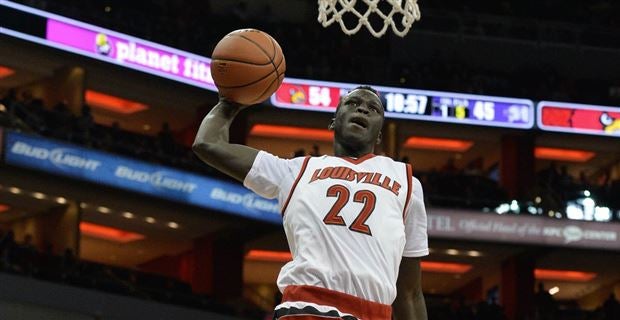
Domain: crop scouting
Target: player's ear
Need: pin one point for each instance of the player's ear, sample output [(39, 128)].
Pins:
[(379, 138), (331, 124)]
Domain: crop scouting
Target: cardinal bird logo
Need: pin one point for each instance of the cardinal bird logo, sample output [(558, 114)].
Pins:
[(610, 124), (297, 95)]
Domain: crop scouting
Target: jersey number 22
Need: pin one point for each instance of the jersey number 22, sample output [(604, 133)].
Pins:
[(342, 194)]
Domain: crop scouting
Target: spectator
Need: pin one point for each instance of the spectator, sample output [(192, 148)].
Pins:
[(565, 180), (315, 151), (474, 167), (5, 118), (27, 253), (83, 125), (165, 140), (449, 167), (68, 260), (462, 310), (277, 299), (299, 153), (611, 307), (8, 250), (549, 176), (544, 305)]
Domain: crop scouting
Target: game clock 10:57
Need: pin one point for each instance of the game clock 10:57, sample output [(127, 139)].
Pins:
[(458, 108)]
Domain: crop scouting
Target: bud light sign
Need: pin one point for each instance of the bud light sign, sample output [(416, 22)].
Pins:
[(159, 181)]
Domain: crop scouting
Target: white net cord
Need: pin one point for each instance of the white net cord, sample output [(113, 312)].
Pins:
[(331, 11)]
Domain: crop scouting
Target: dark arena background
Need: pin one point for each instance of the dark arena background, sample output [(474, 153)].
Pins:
[(507, 110)]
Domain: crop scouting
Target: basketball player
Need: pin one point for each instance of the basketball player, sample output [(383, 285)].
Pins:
[(355, 222)]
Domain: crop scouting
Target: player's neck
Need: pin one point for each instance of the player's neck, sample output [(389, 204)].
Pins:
[(345, 151)]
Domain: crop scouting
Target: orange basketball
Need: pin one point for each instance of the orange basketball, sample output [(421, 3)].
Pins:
[(247, 66)]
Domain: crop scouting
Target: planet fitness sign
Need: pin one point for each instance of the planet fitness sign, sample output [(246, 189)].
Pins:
[(130, 52)]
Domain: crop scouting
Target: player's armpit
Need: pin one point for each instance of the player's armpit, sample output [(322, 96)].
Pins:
[(409, 303), (212, 144)]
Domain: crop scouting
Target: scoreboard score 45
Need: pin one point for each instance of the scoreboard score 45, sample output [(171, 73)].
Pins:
[(412, 104)]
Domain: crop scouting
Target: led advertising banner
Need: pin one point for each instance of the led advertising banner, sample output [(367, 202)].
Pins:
[(578, 118), (412, 104), (106, 45), (102, 44), (159, 181), (491, 227)]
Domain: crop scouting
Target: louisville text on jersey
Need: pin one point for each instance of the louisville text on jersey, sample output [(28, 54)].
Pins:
[(348, 174)]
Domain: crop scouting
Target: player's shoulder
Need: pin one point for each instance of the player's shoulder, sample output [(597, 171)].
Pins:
[(267, 154), (267, 158), (416, 183), (386, 159)]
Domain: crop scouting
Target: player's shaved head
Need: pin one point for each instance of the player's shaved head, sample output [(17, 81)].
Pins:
[(365, 87), (362, 87)]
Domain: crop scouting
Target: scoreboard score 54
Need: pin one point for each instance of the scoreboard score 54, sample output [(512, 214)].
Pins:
[(412, 104)]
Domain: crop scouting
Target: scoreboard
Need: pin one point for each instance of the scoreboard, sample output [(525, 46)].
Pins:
[(105, 45), (412, 104)]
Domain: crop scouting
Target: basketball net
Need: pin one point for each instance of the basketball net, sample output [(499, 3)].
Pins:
[(331, 11)]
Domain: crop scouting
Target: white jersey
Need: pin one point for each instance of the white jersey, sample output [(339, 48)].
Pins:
[(348, 221)]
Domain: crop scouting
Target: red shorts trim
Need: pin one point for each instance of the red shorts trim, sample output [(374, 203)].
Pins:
[(345, 303)]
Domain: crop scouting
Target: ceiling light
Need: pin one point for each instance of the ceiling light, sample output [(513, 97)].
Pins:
[(38, 195), (564, 275), (15, 190), (5, 72), (474, 253), (554, 290), (290, 132), (267, 255), (438, 144), (503, 208), (128, 215), (563, 154), (173, 225), (103, 209), (113, 103), (445, 267), (150, 219), (61, 200), (427, 266), (109, 233), (452, 252), (602, 214)]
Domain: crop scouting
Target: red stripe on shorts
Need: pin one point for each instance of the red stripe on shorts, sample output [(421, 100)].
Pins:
[(345, 303)]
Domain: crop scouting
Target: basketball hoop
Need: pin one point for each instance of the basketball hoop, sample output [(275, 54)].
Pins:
[(331, 11)]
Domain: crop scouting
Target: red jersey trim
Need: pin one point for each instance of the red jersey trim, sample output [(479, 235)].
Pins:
[(345, 303), (358, 160), (409, 190), (290, 194)]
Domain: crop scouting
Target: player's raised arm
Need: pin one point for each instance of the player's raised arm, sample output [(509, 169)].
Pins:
[(248, 66), (212, 145)]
